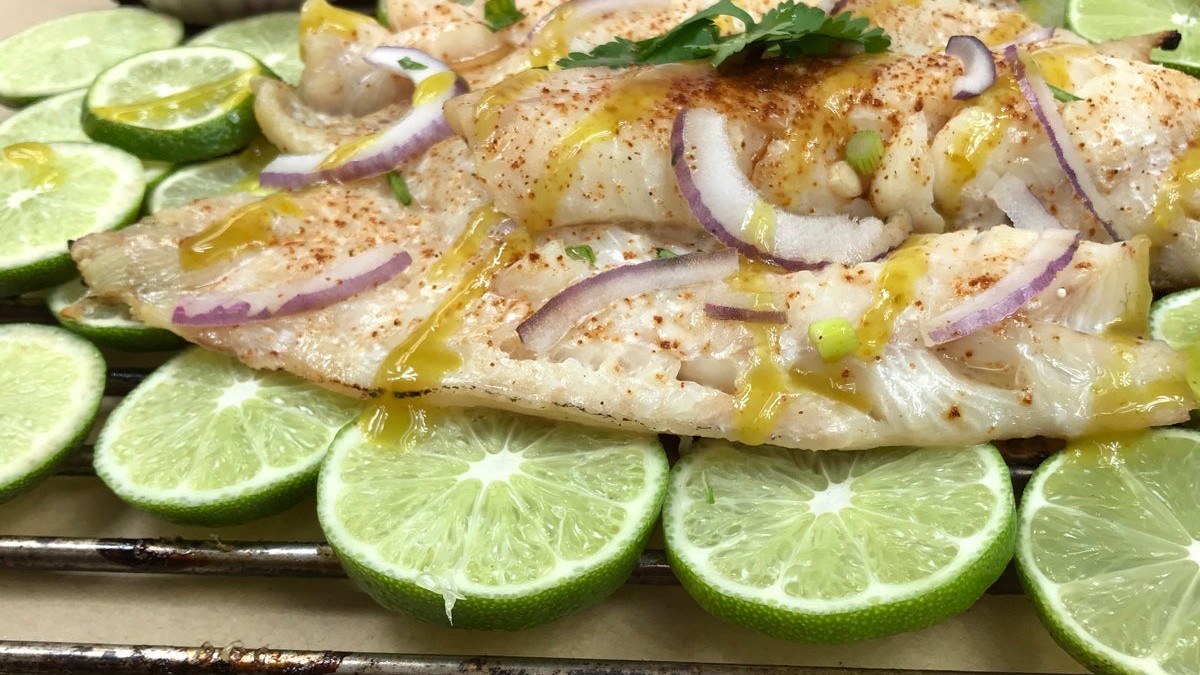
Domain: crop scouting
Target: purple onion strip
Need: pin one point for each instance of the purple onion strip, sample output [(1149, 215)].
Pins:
[(730, 313)]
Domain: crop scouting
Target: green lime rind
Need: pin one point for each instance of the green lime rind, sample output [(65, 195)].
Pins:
[(732, 504), (106, 324), (1101, 20), (273, 39), (85, 188), (78, 47), (205, 440), (51, 385), (219, 125), (381, 506), (1175, 318), (1108, 537)]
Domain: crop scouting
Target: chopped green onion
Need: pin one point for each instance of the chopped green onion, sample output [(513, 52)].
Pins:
[(408, 64), (500, 14), (665, 253), (833, 338), (399, 188), (1062, 94), (583, 252), (864, 150)]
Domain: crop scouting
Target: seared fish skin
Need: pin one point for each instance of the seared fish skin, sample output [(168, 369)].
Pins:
[(792, 120), (1066, 365)]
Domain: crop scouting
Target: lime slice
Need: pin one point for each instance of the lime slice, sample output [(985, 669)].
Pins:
[(53, 193), (1108, 547), (51, 383), (176, 105), (207, 440), (228, 175), (55, 119), (67, 53), (273, 39), (104, 323), (485, 519), (1100, 20), (1175, 318), (835, 547)]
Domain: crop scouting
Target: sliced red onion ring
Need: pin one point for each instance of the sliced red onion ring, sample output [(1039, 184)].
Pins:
[(731, 313), (1042, 102), (424, 125), (1037, 35), (339, 281), (724, 201), (561, 313), (1017, 202), (979, 70), (1029, 276), (581, 10), (835, 8)]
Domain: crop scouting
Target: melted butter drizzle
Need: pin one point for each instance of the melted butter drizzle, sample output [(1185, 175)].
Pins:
[(424, 358), (320, 17), (553, 40), (189, 101), (248, 228), (38, 161), (762, 390), (1120, 401), (1054, 63), (986, 122), (894, 292), (1178, 196), (494, 100), (632, 101), (1135, 320)]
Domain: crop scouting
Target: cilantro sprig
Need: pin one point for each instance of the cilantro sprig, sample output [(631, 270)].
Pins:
[(500, 14), (788, 30)]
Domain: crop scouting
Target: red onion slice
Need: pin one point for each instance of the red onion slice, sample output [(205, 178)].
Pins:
[(1042, 102), (581, 10), (424, 125), (561, 313), (725, 202), (979, 70), (1031, 275), (1037, 35), (1014, 198), (730, 313), (339, 281), (835, 8)]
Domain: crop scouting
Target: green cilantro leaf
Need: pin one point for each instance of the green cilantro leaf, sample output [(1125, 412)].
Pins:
[(583, 252), (499, 14), (789, 30), (1062, 94), (399, 188), (408, 64)]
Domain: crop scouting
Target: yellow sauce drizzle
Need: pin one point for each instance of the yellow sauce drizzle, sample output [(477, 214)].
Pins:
[(1011, 25), (1054, 63), (762, 389), (553, 41), (1172, 203), (1136, 319), (248, 228), (833, 381), (422, 360), (983, 128), (318, 16), (1119, 401), (487, 110), (346, 151), (761, 225), (38, 161), (257, 155), (183, 103), (433, 87), (894, 292), (633, 101)]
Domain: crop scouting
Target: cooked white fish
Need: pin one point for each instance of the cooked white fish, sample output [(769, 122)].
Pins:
[(592, 145)]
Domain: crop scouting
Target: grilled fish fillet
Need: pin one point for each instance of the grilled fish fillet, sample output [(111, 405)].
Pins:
[(592, 145), (1067, 364)]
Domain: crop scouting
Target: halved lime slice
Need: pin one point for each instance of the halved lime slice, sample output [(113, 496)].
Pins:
[(67, 53), (1175, 318), (228, 175), (176, 105), (486, 519), (106, 324), (1108, 547), (1099, 20), (207, 440), (51, 383), (273, 39), (53, 193), (55, 119), (836, 547)]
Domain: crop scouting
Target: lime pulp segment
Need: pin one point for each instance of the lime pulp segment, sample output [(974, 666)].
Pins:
[(207, 440), (486, 519), (1108, 548), (67, 53), (54, 119), (51, 383), (836, 547), (273, 39), (55, 193), (1100, 20), (227, 175)]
